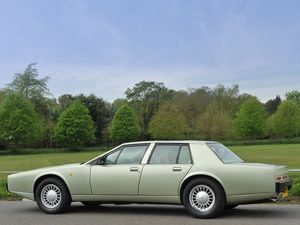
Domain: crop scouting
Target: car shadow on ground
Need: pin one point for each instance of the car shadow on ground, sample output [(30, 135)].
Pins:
[(167, 210)]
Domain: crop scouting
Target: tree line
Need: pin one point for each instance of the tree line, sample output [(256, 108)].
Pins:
[(31, 116)]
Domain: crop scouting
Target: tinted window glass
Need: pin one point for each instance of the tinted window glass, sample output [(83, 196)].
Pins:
[(165, 154), (132, 154), (111, 158), (224, 153), (184, 155)]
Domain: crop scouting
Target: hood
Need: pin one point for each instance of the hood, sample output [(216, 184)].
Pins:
[(50, 168)]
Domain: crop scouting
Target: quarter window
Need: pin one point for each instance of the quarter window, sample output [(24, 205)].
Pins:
[(111, 158), (184, 155)]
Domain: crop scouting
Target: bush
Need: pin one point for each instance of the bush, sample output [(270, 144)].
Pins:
[(295, 190)]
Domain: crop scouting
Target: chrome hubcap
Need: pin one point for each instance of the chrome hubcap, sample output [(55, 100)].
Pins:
[(202, 198), (51, 196)]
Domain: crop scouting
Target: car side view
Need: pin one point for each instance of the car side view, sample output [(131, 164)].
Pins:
[(204, 176)]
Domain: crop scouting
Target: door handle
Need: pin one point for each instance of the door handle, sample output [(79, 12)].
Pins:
[(176, 168), (134, 169)]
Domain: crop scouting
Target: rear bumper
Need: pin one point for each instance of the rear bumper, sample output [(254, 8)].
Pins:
[(283, 185)]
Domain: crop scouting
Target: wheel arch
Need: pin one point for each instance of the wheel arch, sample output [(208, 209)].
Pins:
[(42, 177), (201, 175)]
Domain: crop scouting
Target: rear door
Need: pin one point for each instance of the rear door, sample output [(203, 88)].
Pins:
[(167, 166)]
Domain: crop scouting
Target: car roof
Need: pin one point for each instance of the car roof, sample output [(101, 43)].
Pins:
[(172, 142)]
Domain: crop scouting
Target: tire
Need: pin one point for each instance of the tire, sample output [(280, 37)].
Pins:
[(203, 198), (230, 206), (91, 204), (52, 196)]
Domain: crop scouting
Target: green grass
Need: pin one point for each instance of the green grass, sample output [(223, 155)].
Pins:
[(280, 154)]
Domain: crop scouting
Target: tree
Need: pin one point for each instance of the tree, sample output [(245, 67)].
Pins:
[(98, 108), (35, 89), (75, 126), (286, 121), (294, 95), (145, 98), (3, 93), (251, 119), (226, 98), (214, 123), (192, 103), (272, 105), (117, 103), (19, 124), (168, 123), (124, 126), (28, 85)]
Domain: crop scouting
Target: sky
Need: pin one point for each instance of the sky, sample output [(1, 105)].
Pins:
[(104, 47)]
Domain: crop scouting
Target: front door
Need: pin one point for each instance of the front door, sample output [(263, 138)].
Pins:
[(120, 174)]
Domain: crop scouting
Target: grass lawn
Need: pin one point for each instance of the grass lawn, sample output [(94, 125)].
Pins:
[(280, 154)]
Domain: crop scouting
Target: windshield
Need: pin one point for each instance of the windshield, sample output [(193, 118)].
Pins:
[(226, 155)]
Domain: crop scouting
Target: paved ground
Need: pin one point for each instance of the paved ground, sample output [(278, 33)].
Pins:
[(23, 213)]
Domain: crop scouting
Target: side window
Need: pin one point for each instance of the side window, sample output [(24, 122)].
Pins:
[(184, 155), (164, 154), (132, 154), (111, 158)]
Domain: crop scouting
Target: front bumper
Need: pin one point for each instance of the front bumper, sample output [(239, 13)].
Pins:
[(282, 186)]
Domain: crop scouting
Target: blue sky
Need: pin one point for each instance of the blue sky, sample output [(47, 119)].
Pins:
[(104, 47)]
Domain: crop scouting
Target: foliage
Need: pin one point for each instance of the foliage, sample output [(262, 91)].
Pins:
[(74, 126), (168, 123), (145, 98), (295, 190), (117, 103), (272, 105), (29, 86), (294, 95), (214, 123), (35, 89), (3, 93), (192, 103), (19, 124), (286, 121), (226, 98), (251, 119), (98, 108), (124, 126)]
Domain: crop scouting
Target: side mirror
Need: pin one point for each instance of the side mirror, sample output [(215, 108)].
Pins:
[(101, 161)]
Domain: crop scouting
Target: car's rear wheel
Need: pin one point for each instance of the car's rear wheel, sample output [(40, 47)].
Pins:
[(52, 196), (91, 204), (203, 198)]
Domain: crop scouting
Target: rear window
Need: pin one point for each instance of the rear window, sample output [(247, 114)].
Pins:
[(226, 155)]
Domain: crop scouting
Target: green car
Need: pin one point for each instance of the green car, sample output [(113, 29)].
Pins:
[(204, 176)]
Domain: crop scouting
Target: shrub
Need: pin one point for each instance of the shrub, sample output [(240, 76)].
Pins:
[(295, 190)]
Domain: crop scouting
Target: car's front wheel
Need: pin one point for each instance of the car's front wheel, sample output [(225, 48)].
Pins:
[(52, 196), (203, 198)]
